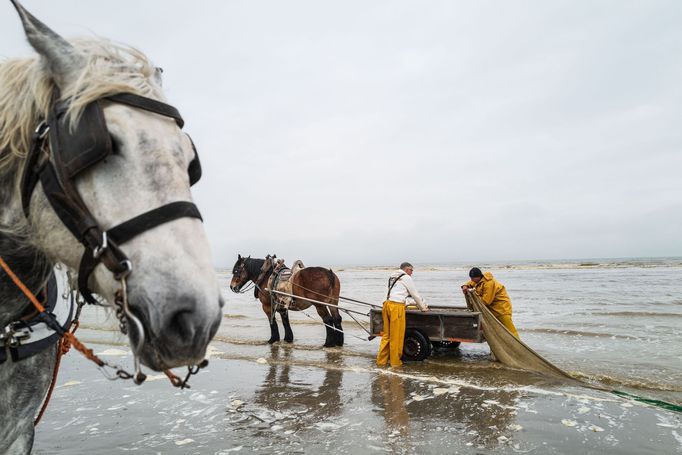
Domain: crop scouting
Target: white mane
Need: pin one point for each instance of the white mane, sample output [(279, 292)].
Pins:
[(26, 91)]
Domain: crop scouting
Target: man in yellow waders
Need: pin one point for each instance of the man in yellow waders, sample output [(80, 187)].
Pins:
[(494, 295), (401, 291)]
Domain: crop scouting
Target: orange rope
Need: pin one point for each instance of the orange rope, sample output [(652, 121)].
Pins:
[(80, 347), (175, 380), (65, 343), (62, 346), (27, 292)]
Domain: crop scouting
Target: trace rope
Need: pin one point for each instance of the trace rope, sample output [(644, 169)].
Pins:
[(68, 339)]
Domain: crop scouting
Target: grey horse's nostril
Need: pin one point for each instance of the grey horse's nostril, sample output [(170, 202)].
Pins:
[(181, 322)]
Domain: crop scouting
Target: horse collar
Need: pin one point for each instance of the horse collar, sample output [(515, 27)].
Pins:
[(26, 338)]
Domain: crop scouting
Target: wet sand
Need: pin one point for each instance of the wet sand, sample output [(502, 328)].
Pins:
[(301, 398), (288, 399)]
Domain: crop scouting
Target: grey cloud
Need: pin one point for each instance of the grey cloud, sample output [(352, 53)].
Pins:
[(345, 132)]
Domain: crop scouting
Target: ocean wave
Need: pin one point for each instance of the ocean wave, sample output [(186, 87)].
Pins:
[(633, 383), (581, 333), (637, 314)]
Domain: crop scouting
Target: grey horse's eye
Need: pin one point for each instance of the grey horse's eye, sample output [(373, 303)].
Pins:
[(115, 145)]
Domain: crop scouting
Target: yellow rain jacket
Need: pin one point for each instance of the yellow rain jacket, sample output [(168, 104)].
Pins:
[(493, 294)]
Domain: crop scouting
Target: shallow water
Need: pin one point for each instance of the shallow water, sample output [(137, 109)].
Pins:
[(617, 323)]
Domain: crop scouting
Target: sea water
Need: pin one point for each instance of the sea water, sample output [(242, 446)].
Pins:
[(611, 323)]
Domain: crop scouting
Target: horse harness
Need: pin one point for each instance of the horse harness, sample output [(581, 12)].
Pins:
[(280, 280), (31, 334), (58, 154)]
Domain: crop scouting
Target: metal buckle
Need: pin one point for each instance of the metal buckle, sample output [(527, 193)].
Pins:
[(97, 252), (13, 335), (42, 129), (128, 268)]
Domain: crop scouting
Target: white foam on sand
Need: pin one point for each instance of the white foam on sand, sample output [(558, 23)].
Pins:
[(327, 426), (233, 449), (113, 352), (212, 350)]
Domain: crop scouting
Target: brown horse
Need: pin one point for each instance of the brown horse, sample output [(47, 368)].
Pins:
[(315, 283)]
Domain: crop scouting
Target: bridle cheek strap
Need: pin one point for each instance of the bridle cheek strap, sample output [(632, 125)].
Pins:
[(124, 232), (58, 154)]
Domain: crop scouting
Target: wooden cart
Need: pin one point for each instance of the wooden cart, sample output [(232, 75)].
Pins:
[(441, 327)]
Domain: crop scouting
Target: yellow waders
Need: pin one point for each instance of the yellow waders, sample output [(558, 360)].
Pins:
[(391, 347)]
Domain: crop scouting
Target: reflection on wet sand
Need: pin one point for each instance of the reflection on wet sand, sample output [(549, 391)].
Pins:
[(280, 392), (388, 397), (486, 416)]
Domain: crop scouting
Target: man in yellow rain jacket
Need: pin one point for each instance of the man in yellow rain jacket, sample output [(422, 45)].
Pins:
[(494, 295), (401, 292)]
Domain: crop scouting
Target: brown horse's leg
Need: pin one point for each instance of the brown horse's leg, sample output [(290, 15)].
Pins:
[(335, 288), (288, 333), (336, 322), (274, 330), (327, 319)]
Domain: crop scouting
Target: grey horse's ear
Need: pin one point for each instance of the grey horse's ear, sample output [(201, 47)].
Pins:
[(61, 57)]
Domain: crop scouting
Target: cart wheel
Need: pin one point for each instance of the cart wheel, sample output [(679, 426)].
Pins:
[(445, 345), (417, 346)]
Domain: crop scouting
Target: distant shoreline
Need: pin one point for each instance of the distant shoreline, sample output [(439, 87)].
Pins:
[(529, 264)]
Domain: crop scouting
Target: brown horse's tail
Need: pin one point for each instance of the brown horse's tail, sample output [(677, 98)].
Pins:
[(332, 278)]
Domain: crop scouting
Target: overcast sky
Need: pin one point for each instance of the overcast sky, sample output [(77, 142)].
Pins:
[(431, 131)]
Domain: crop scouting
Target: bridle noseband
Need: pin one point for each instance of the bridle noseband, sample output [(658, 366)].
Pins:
[(58, 154)]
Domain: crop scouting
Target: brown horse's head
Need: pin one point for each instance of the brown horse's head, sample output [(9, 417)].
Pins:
[(247, 269), (240, 273)]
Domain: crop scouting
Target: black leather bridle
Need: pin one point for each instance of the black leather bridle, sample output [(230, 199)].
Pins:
[(58, 154)]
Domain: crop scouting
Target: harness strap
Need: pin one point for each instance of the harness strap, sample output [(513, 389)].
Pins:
[(56, 177), (30, 175), (148, 104), (127, 230), (153, 218)]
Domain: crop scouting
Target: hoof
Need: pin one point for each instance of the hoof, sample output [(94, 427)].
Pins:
[(289, 340), (273, 340), (328, 345)]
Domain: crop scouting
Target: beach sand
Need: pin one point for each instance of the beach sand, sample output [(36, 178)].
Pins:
[(611, 325), (280, 399)]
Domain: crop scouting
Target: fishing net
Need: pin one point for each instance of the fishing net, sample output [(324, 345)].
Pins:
[(508, 349), (513, 352)]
